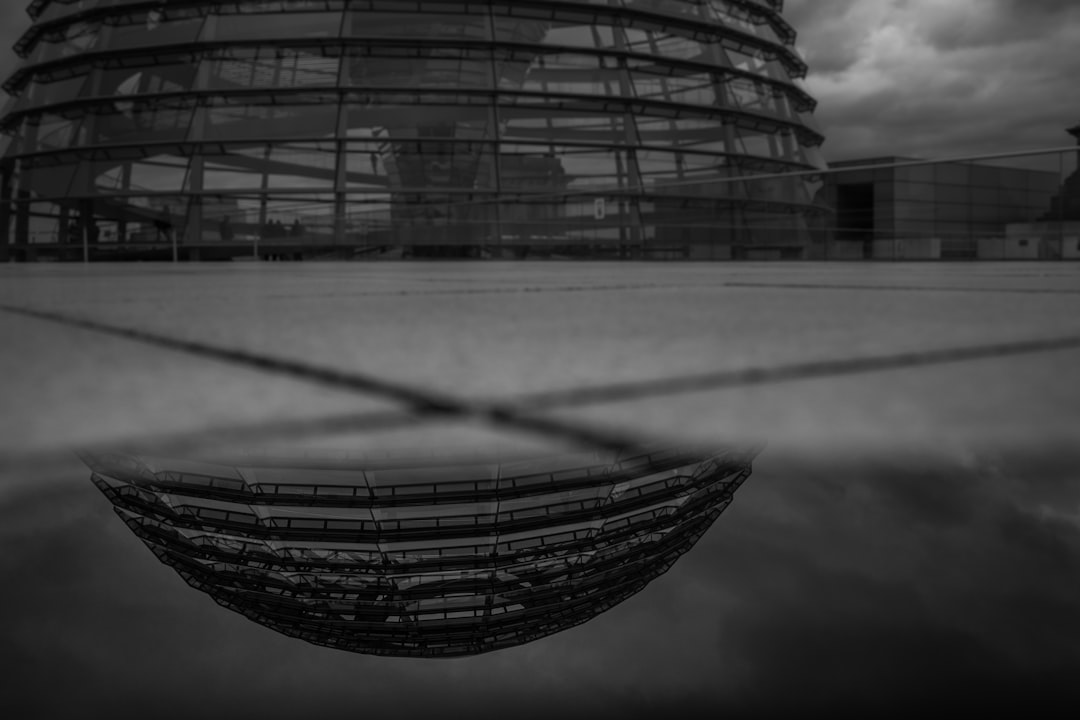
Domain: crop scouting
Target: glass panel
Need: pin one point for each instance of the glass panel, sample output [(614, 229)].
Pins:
[(150, 120), (572, 73), (46, 224), (47, 177), (471, 24), (452, 71), (70, 40), (398, 121), (265, 68), (152, 28), (245, 117), (278, 166), (59, 8), (249, 26), (158, 173), (165, 78), (527, 123), (367, 215), (309, 216), (47, 93), (49, 132)]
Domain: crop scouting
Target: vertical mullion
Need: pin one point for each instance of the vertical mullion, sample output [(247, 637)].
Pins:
[(5, 210), (341, 134), (632, 136), (495, 119)]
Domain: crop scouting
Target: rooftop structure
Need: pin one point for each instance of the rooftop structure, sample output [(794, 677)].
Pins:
[(900, 208)]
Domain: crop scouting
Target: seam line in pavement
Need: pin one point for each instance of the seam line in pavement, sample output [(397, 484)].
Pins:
[(511, 412), (746, 377), (635, 390), (523, 290), (419, 402), (899, 288)]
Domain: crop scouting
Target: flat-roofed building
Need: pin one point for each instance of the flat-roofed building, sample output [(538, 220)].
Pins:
[(908, 209)]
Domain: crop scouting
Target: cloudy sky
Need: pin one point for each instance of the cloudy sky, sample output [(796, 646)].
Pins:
[(941, 78), (926, 78)]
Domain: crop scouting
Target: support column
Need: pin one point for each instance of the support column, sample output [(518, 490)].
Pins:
[(264, 187), (193, 229), (738, 216), (633, 141), (6, 171), (341, 174), (62, 236), (1068, 206), (496, 136), (22, 193), (87, 226), (341, 169), (193, 232), (125, 186), (84, 183)]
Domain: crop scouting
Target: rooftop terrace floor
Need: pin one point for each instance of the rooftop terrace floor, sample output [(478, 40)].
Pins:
[(911, 531)]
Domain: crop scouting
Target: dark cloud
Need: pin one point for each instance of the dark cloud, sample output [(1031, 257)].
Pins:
[(930, 79), (824, 28), (999, 24), (848, 585)]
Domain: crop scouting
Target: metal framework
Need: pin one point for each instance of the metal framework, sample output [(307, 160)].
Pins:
[(491, 126), (423, 560)]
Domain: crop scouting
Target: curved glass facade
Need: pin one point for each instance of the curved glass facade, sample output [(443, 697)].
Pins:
[(423, 560), (499, 128)]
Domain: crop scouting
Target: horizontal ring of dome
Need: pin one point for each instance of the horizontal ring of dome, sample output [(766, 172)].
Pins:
[(63, 68), (376, 478), (517, 10), (54, 157), (390, 532), (492, 197), (455, 555), (642, 107), (767, 13), (373, 495)]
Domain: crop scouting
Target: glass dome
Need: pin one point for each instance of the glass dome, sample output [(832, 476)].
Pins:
[(422, 127)]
